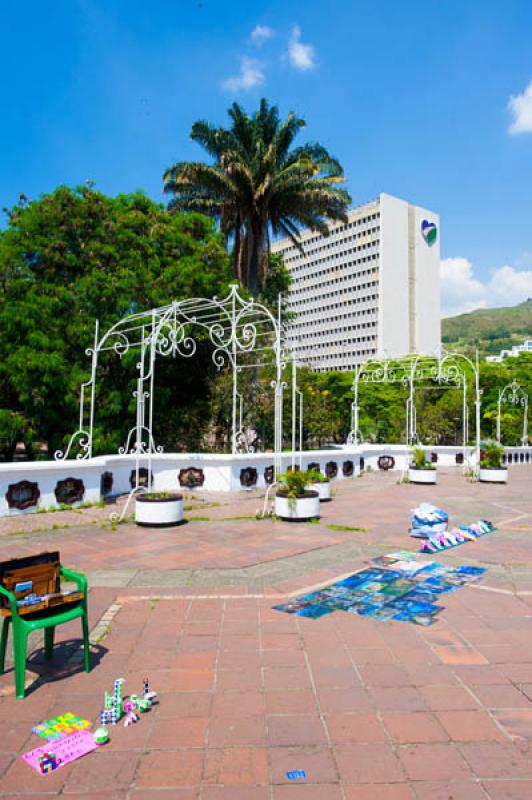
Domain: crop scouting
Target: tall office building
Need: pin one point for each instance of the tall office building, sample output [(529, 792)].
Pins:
[(369, 288)]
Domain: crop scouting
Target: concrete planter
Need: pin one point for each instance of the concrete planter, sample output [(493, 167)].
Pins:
[(422, 475), (299, 508), (160, 512), (323, 489), (491, 475)]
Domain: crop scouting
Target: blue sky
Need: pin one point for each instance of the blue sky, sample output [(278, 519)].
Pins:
[(431, 101)]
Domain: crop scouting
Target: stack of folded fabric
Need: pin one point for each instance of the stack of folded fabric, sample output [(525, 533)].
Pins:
[(427, 521), (464, 533)]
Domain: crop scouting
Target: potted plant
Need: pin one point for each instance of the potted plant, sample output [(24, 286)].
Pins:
[(321, 484), (421, 470), (492, 469), (294, 500), (158, 509)]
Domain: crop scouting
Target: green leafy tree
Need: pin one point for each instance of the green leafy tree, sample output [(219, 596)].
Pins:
[(258, 185), (75, 256)]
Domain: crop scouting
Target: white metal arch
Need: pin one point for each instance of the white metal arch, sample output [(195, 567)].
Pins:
[(513, 394), (446, 369), (234, 326)]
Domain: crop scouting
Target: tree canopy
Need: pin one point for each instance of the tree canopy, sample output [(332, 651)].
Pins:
[(258, 185), (75, 256)]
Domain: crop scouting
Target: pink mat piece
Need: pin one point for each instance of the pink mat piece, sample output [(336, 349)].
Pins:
[(66, 750)]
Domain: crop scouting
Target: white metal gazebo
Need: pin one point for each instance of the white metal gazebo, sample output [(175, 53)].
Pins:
[(234, 326)]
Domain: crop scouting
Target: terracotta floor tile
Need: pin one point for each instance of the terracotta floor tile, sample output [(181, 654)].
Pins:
[(170, 768), (397, 699), (502, 697), (382, 791), (316, 761), (237, 766), (302, 701), (433, 762), (19, 777), (332, 700), (236, 793), (170, 734), (108, 770), (459, 654), (295, 730), (384, 675), (286, 678), (497, 760), (187, 680), (470, 726), (418, 726), (335, 677), (516, 722), (457, 790), (184, 704), (368, 763), (238, 704), (231, 679), (448, 698), (243, 731), (354, 727), (283, 658), (195, 661), (508, 790), (330, 791)]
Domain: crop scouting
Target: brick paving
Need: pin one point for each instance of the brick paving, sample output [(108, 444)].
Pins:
[(370, 710)]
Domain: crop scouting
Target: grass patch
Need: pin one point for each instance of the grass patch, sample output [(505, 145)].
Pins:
[(241, 516), (198, 519), (347, 528)]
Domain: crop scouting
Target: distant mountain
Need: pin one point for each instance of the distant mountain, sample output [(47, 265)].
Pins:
[(489, 329)]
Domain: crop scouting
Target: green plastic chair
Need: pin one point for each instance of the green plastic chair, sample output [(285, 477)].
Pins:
[(23, 626)]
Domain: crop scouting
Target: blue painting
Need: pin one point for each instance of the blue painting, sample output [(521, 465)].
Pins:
[(406, 589)]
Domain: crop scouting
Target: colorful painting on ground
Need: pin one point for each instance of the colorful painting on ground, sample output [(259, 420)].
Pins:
[(400, 586)]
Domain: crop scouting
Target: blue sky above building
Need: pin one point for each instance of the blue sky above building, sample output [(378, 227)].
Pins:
[(430, 101)]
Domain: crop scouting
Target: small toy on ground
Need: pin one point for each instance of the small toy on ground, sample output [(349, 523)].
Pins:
[(130, 710), (57, 728), (115, 707), (47, 763), (101, 735)]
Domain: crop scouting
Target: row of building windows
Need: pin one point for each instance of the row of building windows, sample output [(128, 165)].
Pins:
[(347, 304), (340, 330), (356, 223), (308, 254), (312, 272), (316, 286), (305, 268), (348, 290), (334, 345)]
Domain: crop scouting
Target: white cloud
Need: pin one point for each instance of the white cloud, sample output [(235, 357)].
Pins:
[(260, 34), (461, 291), (521, 107), (300, 55), (251, 74)]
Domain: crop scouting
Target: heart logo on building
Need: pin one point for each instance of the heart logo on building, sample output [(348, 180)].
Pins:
[(429, 231)]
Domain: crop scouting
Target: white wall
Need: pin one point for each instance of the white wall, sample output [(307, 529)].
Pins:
[(393, 336), (427, 286)]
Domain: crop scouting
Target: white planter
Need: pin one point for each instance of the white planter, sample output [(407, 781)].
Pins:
[(422, 475), (323, 489), (158, 513), (299, 508), (493, 475)]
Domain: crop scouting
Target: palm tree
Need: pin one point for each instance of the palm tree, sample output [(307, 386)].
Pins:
[(258, 186)]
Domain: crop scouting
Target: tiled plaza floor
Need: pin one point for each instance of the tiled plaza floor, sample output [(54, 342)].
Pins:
[(369, 710)]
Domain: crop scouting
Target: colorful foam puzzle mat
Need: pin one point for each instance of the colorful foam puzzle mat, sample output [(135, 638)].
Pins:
[(399, 586), (58, 728)]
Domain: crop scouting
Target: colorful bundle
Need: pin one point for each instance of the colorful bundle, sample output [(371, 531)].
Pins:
[(457, 536), (428, 520)]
